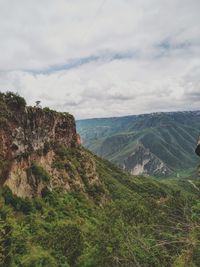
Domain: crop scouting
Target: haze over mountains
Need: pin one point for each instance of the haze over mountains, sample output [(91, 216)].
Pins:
[(158, 144)]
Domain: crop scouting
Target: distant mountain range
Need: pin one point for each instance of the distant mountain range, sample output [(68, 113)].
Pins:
[(62, 206), (158, 144)]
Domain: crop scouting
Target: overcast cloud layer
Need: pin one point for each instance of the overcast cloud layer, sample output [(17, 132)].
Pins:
[(98, 58)]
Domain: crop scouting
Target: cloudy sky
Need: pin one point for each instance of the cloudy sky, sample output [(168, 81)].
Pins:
[(98, 58)]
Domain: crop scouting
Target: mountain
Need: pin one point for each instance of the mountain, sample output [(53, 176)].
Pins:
[(39, 149), (62, 206), (158, 144)]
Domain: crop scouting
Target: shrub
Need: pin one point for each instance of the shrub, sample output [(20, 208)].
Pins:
[(14, 100), (62, 152), (5, 244), (67, 239), (85, 179), (39, 173), (46, 109), (38, 258), (196, 212), (49, 196), (59, 165), (96, 191), (19, 204)]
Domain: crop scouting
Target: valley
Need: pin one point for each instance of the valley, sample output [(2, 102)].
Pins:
[(158, 144), (61, 205)]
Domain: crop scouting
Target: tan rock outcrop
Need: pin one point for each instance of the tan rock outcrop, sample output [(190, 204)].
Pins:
[(29, 157)]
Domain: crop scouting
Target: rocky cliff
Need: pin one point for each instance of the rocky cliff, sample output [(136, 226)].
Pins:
[(40, 149), (142, 161)]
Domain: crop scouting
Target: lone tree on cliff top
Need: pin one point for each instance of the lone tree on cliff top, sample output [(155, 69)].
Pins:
[(37, 104)]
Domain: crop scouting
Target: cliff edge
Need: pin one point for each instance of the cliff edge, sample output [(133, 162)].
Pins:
[(40, 149)]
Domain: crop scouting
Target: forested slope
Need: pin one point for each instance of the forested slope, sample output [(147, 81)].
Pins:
[(154, 144), (66, 207)]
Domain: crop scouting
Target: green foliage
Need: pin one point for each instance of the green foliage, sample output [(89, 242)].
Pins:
[(138, 222), (66, 158), (19, 204), (119, 221), (47, 109), (170, 137), (65, 152), (5, 244), (196, 212), (38, 258), (5, 237), (13, 100), (40, 174), (75, 162), (67, 240), (96, 191)]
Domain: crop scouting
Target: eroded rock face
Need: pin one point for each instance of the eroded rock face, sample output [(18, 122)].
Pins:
[(32, 128), (198, 147), (29, 158), (142, 161)]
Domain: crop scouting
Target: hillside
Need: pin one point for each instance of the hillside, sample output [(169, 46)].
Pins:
[(142, 223), (39, 150), (158, 144), (62, 206)]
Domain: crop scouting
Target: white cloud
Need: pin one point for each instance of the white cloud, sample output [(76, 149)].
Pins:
[(102, 58)]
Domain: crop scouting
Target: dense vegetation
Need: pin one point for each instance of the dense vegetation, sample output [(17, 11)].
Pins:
[(120, 221), (137, 222), (13, 99), (170, 137)]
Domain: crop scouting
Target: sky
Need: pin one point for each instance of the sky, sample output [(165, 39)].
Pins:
[(97, 58)]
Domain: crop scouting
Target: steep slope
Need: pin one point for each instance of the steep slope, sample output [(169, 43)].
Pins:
[(61, 206), (143, 161), (39, 149), (142, 222), (168, 138)]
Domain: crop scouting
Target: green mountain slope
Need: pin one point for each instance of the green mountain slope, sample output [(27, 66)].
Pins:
[(142, 222), (61, 206), (154, 144)]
